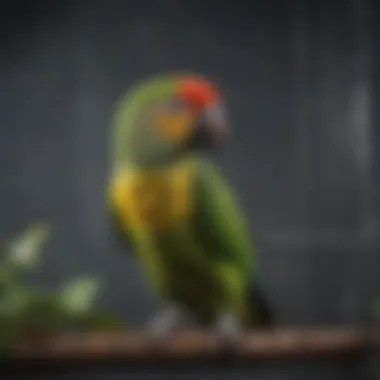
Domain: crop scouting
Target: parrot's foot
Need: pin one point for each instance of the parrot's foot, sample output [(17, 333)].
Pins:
[(229, 329), (168, 321)]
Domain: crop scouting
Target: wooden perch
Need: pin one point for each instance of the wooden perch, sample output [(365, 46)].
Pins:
[(193, 347)]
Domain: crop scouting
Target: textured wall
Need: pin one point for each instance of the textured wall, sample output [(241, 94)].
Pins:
[(300, 80)]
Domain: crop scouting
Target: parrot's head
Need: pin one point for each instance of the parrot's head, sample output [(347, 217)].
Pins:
[(207, 121), (166, 117)]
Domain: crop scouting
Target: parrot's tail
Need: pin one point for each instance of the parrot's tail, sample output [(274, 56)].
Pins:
[(260, 309)]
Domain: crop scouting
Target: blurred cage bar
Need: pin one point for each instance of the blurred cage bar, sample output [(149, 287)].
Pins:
[(334, 45)]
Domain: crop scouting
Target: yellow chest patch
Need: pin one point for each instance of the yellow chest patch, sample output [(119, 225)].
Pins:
[(152, 201)]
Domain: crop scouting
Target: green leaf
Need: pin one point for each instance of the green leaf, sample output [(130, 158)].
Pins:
[(25, 250), (9, 276), (78, 295), (44, 311), (14, 301), (99, 320)]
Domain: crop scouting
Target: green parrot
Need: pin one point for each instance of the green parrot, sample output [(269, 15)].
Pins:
[(175, 210)]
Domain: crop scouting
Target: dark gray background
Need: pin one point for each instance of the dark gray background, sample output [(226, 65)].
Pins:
[(301, 80)]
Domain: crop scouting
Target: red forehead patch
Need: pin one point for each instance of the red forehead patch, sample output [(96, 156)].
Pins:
[(199, 92)]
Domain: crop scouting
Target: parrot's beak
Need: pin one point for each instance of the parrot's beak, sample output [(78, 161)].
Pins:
[(210, 130), (216, 124)]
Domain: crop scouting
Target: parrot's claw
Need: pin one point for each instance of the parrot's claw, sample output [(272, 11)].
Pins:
[(229, 329), (167, 321)]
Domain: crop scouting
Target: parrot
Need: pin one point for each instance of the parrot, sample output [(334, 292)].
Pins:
[(175, 212)]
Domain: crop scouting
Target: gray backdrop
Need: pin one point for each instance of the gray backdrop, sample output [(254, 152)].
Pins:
[(301, 83)]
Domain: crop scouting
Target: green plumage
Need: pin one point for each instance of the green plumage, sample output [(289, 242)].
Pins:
[(204, 259), (132, 137)]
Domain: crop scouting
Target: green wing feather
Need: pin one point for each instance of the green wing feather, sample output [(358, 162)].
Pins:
[(221, 227)]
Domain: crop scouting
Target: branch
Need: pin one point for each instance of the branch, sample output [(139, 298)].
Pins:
[(192, 347)]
